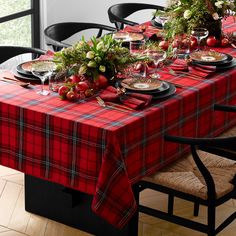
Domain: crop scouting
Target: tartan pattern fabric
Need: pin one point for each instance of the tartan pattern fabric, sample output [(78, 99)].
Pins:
[(101, 151)]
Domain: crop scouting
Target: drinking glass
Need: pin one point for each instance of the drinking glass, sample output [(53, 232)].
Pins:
[(199, 34), (137, 47), (157, 56), (42, 70), (163, 19)]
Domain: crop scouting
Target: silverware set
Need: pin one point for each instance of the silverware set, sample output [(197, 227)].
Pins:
[(112, 105), (20, 83)]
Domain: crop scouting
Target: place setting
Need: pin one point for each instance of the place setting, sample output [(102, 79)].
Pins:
[(221, 61)]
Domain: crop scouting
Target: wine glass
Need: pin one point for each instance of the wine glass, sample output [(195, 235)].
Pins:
[(157, 56), (137, 49), (42, 70), (163, 19), (199, 34)]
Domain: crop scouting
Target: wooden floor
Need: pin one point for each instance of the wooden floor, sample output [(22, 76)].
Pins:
[(15, 221)]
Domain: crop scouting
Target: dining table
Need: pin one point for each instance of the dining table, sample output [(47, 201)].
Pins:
[(80, 147)]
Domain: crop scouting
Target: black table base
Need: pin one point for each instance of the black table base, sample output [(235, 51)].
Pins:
[(70, 207)]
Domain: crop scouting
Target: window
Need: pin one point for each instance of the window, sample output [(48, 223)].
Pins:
[(19, 23)]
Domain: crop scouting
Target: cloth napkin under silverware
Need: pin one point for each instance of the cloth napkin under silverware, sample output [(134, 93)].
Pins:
[(133, 100), (198, 70), (148, 31)]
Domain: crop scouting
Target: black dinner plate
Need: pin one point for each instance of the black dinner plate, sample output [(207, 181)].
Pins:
[(171, 91), (160, 95), (27, 78), (230, 65), (25, 67)]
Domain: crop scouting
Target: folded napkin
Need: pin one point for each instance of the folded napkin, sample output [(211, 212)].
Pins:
[(194, 69), (133, 100), (148, 31), (47, 56), (133, 29)]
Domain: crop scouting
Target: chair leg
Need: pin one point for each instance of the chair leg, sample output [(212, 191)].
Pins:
[(170, 204), (196, 209), (211, 218)]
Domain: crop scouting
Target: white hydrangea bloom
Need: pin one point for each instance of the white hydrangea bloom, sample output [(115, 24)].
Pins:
[(219, 4), (187, 14)]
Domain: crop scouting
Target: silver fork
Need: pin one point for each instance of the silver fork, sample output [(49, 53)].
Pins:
[(103, 104)]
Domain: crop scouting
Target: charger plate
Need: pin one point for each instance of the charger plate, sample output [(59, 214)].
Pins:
[(210, 57), (142, 84), (26, 67)]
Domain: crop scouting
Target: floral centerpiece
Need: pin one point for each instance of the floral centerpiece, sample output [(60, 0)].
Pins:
[(184, 15), (91, 65), (94, 63)]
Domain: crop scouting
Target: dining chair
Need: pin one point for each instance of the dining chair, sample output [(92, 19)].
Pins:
[(205, 177), (55, 34), (7, 52), (119, 12)]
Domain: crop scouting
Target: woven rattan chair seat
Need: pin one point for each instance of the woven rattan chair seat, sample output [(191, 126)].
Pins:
[(183, 175)]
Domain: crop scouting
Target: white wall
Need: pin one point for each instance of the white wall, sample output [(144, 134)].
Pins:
[(54, 11)]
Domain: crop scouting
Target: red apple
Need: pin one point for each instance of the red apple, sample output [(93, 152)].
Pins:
[(101, 81), (164, 45), (175, 43), (224, 42), (74, 79), (63, 90), (211, 41), (71, 95), (82, 86), (193, 42), (89, 92)]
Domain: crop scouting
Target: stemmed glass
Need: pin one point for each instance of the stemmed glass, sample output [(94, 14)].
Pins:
[(42, 70), (163, 19), (137, 48), (157, 56), (199, 34)]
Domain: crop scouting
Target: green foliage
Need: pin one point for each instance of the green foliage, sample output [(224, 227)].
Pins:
[(98, 56), (187, 14)]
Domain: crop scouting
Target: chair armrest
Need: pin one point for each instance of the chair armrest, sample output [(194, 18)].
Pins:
[(220, 142), (229, 108)]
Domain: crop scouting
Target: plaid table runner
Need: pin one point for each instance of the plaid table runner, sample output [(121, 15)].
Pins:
[(102, 151)]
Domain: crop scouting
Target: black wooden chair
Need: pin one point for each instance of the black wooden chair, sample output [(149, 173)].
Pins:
[(118, 12), (206, 177), (7, 52), (56, 33)]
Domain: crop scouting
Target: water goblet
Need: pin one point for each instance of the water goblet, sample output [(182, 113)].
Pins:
[(163, 19), (42, 70), (137, 47), (199, 34), (156, 56)]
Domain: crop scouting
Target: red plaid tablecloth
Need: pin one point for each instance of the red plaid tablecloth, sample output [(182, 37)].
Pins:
[(102, 151)]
